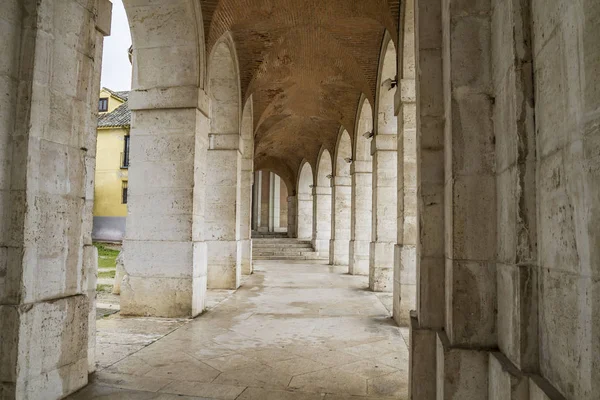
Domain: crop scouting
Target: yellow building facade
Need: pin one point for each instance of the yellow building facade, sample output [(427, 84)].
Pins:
[(112, 162)]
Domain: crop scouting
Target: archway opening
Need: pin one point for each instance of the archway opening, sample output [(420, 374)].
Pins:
[(339, 253), (270, 205), (304, 192)]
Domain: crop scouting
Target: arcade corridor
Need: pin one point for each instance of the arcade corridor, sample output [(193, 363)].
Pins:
[(309, 329)]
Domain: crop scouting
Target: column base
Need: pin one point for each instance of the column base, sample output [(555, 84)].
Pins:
[(339, 252), (405, 283), (462, 374), (162, 297), (246, 259), (163, 279), (422, 362), (359, 257), (49, 354), (321, 246), (381, 266), (224, 271)]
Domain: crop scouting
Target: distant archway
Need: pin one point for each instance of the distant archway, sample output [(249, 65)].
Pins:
[(339, 252), (304, 192)]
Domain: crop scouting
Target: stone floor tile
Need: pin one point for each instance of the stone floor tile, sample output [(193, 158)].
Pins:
[(261, 377), (131, 366), (330, 381), (100, 392), (185, 370), (264, 394), (210, 390), (397, 360), (131, 382), (233, 361), (270, 355), (367, 368), (298, 366), (393, 385), (108, 353), (375, 349)]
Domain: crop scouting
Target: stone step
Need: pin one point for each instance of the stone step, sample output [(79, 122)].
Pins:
[(279, 242), (279, 245), (283, 253), (283, 249), (288, 258)]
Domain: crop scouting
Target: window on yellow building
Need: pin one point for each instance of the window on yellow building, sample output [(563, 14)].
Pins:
[(103, 104), (124, 192), (125, 153)]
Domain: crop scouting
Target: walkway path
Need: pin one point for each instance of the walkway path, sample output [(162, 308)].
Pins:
[(294, 331)]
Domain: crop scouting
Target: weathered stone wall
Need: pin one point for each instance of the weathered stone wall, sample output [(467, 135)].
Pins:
[(566, 59), (521, 123), (47, 158)]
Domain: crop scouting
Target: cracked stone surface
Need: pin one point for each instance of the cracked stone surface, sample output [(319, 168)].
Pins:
[(292, 331)]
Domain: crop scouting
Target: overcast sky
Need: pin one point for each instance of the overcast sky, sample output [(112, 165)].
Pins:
[(116, 69)]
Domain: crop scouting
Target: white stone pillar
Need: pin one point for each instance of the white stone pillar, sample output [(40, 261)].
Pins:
[(305, 216), (361, 214), (383, 241), (162, 258), (321, 219), (47, 165), (222, 216), (256, 199), (246, 208), (274, 202), (339, 251), (292, 213), (405, 258)]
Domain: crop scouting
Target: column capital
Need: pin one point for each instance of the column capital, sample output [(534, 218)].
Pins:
[(384, 143), (322, 190), (104, 17), (176, 97), (361, 167), (304, 196), (291, 198), (341, 181), (224, 141)]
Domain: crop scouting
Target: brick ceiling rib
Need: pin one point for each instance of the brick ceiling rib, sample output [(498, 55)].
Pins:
[(306, 64)]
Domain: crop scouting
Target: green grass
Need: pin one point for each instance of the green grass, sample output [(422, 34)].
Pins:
[(106, 274), (104, 288), (107, 258)]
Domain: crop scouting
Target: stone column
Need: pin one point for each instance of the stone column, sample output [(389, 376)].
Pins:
[(164, 264), (246, 195), (384, 234), (256, 200), (361, 213), (274, 203), (339, 251), (405, 262), (321, 220), (292, 213), (47, 163), (429, 317), (222, 216), (470, 203), (305, 216)]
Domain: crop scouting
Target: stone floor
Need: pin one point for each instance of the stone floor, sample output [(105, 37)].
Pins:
[(293, 331)]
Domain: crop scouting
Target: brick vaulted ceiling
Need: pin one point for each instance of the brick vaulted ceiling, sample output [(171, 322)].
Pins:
[(306, 64)]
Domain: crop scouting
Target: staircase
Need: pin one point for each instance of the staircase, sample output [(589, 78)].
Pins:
[(283, 249)]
